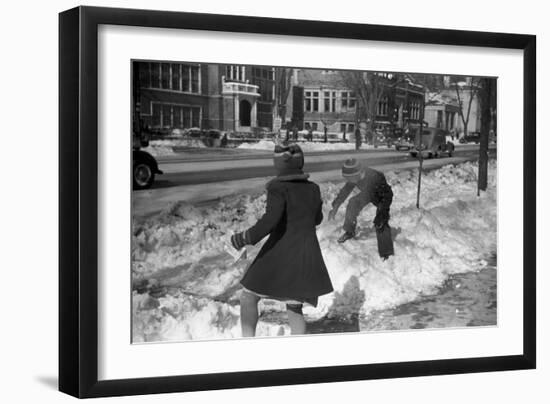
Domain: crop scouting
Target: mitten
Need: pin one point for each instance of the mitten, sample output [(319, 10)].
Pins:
[(238, 240)]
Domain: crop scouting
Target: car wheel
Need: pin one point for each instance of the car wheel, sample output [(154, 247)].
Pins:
[(413, 154), (143, 175)]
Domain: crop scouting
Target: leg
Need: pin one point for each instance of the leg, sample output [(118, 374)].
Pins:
[(385, 197), (249, 313), (296, 319), (355, 205)]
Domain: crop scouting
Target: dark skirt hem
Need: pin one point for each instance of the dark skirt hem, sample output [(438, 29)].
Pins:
[(312, 301)]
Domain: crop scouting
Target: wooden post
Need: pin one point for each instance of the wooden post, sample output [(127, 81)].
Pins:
[(420, 156)]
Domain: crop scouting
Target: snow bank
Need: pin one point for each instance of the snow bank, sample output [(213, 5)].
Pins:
[(186, 286), (306, 146), (164, 147)]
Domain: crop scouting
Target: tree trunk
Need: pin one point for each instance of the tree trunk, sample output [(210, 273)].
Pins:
[(486, 89)]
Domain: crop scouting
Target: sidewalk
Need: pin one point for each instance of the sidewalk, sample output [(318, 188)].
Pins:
[(148, 202)]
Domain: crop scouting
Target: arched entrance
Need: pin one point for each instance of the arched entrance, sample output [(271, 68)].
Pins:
[(244, 112)]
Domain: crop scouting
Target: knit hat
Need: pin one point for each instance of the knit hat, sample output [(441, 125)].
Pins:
[(288, 158), (351, 168)]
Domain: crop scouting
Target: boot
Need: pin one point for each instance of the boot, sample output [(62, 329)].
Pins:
[(346, 236)]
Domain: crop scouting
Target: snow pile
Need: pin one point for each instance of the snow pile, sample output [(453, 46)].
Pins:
[(165, 147), (260, 145), (306, 146), (186, 286)]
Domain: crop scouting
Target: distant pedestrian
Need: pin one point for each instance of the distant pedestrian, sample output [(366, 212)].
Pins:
[(309, 133), (224, 140), (357, 139), (289, 266)]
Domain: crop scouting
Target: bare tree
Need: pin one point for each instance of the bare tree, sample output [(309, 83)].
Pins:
[(464, 96), (487, 94), (283, 86), (369, 88)]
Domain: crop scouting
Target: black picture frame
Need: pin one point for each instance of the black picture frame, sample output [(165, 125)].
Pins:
[(78, 201)]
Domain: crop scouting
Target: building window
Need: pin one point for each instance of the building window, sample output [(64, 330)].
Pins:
[(171, 116), (144, 75), (388, 76), (348, 100), (186, 112), (415, 110), (329, 99), (195, 80), (156, 116), (166, 116), (196, 117), (314, 126), (347, 127), (312, 101), (175, 77), (235, 73), (177, 121), (155, 75), (165, 79), (382, 107)]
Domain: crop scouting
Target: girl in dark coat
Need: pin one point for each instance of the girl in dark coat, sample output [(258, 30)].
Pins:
[(289, 266)]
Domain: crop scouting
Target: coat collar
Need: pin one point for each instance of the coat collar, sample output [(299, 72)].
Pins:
[(294, 175), (291, 177)]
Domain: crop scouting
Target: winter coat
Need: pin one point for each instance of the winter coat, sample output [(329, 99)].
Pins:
[(290, 263), (373, 187)]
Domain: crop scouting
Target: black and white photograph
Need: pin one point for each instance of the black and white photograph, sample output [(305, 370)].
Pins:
[(276, 201)]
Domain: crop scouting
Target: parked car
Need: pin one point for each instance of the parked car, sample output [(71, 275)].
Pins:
[(404, 143), (471, 137), (144, 165), (432, 144)]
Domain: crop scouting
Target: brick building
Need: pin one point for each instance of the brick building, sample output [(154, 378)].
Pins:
[(328, 102), (175, 95)]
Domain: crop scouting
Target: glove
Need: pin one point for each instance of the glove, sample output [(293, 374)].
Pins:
[(238, 240), (332, 214), (381, 219)]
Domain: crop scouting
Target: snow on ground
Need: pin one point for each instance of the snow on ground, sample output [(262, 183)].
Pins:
[(186, 286), (306, 146), (164, 147)]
